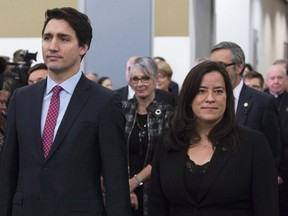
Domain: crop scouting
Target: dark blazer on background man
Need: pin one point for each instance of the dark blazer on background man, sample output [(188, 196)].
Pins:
[(90, 141), (160, 95), (233, 184), (256, 110), (283, 115)]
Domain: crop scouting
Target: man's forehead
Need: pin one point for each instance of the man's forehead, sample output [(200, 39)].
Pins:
[(220, 54)]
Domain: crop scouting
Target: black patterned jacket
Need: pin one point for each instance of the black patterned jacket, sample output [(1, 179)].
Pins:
[(157, 119)]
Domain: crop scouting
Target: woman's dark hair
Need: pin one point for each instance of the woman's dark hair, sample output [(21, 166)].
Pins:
[(39, 66), (77, 20), (102, 79), (182, 128)]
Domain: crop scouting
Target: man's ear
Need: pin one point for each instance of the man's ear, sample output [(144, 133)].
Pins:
[(241, 68), (83, 49)]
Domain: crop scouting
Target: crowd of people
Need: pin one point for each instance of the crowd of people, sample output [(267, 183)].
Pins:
[(70, 144)]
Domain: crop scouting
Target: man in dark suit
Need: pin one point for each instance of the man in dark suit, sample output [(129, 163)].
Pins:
[(88, 141), (127, 92), (254, 109), (275, 81)]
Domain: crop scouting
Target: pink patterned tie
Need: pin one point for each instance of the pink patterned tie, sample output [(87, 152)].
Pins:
[(48, 132)]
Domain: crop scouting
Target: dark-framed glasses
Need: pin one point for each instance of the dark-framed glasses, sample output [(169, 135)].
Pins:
[(144, 79), (227, 65)]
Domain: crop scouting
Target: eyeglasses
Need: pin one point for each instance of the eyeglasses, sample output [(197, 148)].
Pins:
[(227, 65), (144, 79)]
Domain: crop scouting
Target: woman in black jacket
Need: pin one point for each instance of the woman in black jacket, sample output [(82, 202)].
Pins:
[(209, 165)]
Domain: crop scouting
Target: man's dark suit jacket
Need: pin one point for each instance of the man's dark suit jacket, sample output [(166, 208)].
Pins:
[(242, 183), (256, 110), (90, 141), (160, 95)]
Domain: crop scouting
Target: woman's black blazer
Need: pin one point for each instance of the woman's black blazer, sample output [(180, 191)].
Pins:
[(243, 183)]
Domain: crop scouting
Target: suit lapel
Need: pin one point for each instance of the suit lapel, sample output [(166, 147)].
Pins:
[(77, 102), (244, 105), (36, 110), (218, 162)]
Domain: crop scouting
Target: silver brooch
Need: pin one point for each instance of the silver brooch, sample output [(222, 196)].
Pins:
[(158, 112)]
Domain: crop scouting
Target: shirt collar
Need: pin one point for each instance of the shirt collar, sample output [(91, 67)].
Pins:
[(276, 95), (68, 85), (237, 90), (131, 92)]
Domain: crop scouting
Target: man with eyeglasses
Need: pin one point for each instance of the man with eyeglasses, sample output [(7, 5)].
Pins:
[(253, 108)]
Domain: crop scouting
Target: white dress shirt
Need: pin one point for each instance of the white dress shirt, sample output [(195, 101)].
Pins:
[(65, 96), (236, 93)]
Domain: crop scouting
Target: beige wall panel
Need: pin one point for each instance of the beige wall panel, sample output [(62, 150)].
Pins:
[(25, 18), (171, 18)]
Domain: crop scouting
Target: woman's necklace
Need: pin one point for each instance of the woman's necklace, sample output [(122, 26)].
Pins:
[(142, 129)]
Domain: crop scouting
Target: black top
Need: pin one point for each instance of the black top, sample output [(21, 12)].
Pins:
[(138, 144), (193, 176)]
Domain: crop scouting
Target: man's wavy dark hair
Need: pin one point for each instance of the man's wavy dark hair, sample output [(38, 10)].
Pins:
[(77, 20)]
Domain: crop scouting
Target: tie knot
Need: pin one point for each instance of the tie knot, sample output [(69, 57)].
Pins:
[(57, 89)]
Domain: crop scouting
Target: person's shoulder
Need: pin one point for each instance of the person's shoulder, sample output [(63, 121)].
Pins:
[(121, 89), (27, 89), (162, 105), (129, 105), (250, 135), (262, 96), (101, 92), (166, 97), (160, 92)]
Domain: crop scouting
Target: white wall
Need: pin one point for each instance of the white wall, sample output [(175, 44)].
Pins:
[(233, 23), (176, 51), (274, 32)]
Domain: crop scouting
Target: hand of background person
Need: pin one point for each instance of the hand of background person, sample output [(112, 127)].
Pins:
[(134, 200), (280, 180), (102, 184)]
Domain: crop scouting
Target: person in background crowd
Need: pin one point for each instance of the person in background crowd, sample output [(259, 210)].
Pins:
[(248, 68), (164, 75), (127, 92), (275, 82), (92, 76), (173, 86), (284, 63), (253, 108), (63, 133), (37, 73), (106, 82), (254, 80), (208, 164), (146, 118), (3, 64), (4, 97)]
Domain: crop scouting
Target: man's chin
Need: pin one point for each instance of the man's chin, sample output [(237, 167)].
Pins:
[(55, 70)]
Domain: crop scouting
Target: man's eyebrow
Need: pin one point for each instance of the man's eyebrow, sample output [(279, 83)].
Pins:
[(58, 34)]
